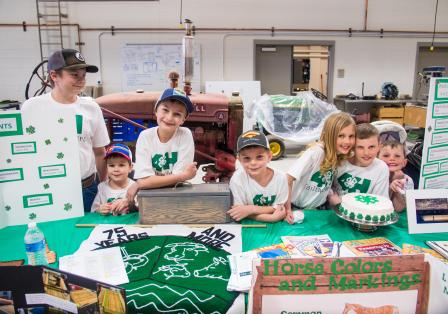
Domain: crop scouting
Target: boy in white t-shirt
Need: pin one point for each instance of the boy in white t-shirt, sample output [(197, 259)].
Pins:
[(259, 192), (67, 70), (364, 173), (393, 154), (164, 154), (111, 196)]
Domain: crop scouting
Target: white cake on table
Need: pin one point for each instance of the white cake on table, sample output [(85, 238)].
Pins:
[(368, 208)]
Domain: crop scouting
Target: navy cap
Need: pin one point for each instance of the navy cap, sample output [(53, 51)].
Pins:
[(176, 94), (252, 138), (69, 59), (119, 149)]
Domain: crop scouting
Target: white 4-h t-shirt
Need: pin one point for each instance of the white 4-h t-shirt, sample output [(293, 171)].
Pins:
[(90, 126), (373, 179), (310, 188), (153, 157), (106, 194), (247, 191)]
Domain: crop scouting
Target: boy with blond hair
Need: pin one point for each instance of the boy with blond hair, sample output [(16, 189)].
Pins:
[(393, 154), (259, 192), (364, 173), (164, 154)]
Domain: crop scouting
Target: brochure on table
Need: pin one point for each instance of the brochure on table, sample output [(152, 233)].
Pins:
[(39, 167), (434, 171)]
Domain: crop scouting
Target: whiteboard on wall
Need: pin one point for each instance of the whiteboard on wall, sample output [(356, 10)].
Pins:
[(146, 66)]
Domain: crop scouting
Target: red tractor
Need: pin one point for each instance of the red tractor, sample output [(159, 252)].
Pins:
[(216, 124)]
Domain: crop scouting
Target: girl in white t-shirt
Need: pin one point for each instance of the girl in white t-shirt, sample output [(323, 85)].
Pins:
[(311, 176)]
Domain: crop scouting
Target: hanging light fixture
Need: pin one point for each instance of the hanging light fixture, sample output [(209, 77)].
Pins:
[(434, 30)]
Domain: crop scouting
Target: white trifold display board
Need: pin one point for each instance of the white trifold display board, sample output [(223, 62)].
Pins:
[(39, 167), (434, 165), (146, 66)]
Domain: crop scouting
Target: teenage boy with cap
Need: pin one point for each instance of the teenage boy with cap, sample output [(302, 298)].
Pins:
[(67, 73), (111, 197), (259, 192), (164, 154)]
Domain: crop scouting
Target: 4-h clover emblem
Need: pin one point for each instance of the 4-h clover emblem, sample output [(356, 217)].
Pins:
[(366, 199), (65, 139), (7, 208), (161, 162), (60, 155), (46, 186), (32, 216), (351, 182), (47, 142), (8, 160), (68, 206), (30, 130), (61, 120)]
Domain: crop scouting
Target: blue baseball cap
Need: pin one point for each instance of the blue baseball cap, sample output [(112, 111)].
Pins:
[(119, 149), (176, 94)]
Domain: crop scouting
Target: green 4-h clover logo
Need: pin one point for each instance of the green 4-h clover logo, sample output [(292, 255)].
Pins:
[(60, 155), (30, 130), (8, 160), (366, 199), (61, 120), (46, 186), (47, 142), (7, 208), (68, 206), (32, 216), (65, 139)]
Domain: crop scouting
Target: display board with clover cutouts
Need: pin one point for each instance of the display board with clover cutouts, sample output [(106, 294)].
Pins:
[(434, 162), (39, 166)]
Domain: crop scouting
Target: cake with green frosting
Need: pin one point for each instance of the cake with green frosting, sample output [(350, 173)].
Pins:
[(369, 208)]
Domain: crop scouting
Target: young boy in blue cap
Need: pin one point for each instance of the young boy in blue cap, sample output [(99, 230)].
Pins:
[(164, 154), (111, 197)]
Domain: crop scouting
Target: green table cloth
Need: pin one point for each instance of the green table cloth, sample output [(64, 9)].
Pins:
[(64, 237)]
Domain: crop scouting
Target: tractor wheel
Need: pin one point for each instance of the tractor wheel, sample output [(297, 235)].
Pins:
[(276, 146)]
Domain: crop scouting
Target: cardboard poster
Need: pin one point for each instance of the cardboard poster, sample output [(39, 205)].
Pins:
[(49, 290), (39, 167), (434, 171)]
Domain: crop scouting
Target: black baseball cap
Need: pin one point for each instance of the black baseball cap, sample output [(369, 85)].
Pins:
[(252, 138), (176, 94), (69, 59)]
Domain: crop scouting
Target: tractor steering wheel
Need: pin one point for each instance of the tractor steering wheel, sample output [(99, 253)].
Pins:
[(44, 83)]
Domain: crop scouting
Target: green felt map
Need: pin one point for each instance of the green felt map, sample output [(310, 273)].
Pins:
[(175, 274)]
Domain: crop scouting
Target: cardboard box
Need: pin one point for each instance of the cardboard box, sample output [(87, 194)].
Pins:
[(384, 112), (206, 203), (415, 116)]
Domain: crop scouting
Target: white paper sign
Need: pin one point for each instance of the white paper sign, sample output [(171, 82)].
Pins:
[(101, 265), (39, 166)]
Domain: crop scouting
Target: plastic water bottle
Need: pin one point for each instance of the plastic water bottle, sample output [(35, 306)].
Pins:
[(35, 245)]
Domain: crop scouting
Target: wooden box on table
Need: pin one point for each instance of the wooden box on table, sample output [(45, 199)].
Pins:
[(393, 113), (206, 203)]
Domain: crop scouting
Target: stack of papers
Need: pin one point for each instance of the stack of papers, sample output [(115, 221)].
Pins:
[(102, 265)]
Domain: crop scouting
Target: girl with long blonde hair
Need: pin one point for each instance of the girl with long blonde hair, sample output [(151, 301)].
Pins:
[(311, 176)]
